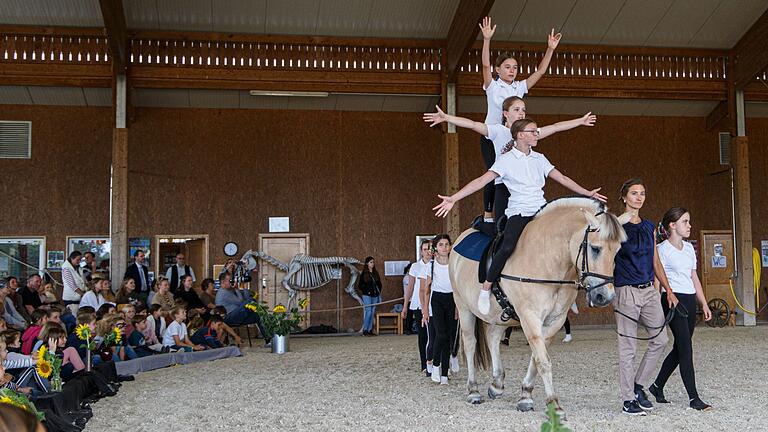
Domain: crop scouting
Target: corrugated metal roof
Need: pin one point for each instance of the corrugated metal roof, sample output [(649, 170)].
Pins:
[(71, 13)]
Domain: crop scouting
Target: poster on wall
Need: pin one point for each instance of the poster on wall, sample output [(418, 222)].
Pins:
[(764, 252), (55, 260), (718, 259), (140, 243), (395, 268)]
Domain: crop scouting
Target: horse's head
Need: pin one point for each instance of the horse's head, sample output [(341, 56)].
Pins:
[(593, 249)]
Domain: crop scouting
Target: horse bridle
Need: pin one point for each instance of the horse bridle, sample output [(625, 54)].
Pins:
[(584, 272)]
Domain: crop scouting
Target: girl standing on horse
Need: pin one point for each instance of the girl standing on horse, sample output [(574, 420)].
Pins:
[(679, 261), (524, 172), (637, 263)]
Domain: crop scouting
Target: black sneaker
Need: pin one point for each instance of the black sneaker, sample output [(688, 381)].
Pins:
[(699, 405), (632, 408), (658, 393), (642, 400), (505, 342)]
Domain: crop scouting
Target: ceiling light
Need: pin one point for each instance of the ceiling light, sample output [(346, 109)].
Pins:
[(288, 93)]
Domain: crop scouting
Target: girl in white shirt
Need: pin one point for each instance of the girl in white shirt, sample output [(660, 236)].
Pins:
[(523, 171), (444, 315), (499, 89), (679, 261), (499, 134)]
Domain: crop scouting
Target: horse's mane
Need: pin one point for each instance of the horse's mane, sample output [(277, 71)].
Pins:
[(610, 227)]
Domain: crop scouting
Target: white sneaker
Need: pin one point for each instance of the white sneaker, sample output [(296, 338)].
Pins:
[(436, 374), (443, 380), (567, 338), (455, 364), (429, 367), (484, 302), (575, 308)]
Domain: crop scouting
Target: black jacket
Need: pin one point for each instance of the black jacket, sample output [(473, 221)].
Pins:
[(133, 272), (370, 284)]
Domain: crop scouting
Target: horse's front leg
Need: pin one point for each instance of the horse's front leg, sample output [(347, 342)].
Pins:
[(525, 403), (468, 320), (534, 332), (494, 335)]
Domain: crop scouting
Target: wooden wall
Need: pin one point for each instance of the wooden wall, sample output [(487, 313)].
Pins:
[(360, 183)]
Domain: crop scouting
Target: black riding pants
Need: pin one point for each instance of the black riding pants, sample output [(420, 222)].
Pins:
[(682, 352), (423, 337), (443, 312), (489, 157), (512, 231), (500, 200)]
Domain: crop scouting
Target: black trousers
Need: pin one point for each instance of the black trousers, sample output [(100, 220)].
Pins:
[(567, 326), (489, 157), (682, 351), (500, 201), (423, 337), (409, 319), (430, 340), (443, 312), (512, 231)]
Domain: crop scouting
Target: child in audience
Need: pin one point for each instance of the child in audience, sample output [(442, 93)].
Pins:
[(176, 334), (104, 310), (139, 343), (208, 335), (54, 337), (128, 312), (3, 324), (155, 323), (226, 331), (39, 317), (163, 296)]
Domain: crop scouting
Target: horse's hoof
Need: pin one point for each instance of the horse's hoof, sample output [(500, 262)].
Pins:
[(525, 405), (493, 393), (475, 398)]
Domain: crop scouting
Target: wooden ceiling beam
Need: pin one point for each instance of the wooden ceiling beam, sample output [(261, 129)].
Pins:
[(117, 33), (751, 53), (463, 32)]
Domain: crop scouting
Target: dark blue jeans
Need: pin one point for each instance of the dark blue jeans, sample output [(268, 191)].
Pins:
[(242, 316)]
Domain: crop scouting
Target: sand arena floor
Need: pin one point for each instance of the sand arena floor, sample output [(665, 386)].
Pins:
[(361, 383)]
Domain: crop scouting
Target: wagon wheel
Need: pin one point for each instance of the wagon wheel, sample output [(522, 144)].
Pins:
[(721, 312)]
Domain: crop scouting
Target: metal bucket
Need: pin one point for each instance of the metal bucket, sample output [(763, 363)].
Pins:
[(279, 344)]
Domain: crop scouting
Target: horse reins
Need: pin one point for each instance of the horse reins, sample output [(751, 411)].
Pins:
[(670, 316)]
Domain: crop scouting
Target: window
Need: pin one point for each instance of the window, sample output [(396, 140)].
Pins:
[(100, 246), (17, 254)]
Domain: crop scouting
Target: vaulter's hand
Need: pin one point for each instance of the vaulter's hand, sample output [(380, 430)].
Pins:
[(553, 39), (442, 209), (435, 118), (487, 29)]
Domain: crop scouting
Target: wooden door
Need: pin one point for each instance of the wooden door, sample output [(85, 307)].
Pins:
[(197, 258), (283, 247), (716, 263)]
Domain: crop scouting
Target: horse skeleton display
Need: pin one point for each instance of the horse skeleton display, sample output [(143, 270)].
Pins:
[(304, 272)]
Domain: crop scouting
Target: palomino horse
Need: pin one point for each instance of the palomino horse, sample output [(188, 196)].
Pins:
[(570, 243)]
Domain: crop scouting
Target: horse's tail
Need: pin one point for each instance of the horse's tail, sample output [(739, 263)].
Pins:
[(482, 351)]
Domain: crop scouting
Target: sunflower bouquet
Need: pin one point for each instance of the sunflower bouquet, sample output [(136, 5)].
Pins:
[(84, 333), (49, 366), (279, 321), (113, 338), (10, 397)]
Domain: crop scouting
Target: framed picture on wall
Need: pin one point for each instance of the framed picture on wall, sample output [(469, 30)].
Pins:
[(142, 243), (419, 238)]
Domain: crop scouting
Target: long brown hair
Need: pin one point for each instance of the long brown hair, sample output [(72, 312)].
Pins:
[(367, 273)]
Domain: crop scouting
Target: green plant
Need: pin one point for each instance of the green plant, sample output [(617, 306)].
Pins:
[(10, 397), (278, 321), (553, 423)]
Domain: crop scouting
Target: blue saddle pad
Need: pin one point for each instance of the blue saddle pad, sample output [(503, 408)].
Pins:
[(472, 246)]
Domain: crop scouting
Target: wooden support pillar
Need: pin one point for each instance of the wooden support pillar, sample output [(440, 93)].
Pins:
[(118, 215), (451, 161), (743, 285)]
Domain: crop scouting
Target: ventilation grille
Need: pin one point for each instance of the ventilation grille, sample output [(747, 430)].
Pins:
[(725, 148), (15, 139)]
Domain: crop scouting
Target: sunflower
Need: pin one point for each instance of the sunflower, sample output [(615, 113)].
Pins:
[(118, 335), (44, 369), (279, 309), (41, 353), (83, 331), (251, 307), (303, 303)]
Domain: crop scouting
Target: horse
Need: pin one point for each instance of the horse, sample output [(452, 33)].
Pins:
[(570, 244)]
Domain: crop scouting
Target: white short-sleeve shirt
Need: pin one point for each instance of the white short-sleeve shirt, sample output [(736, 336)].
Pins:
[(678, 265), (441, 281), (497, 92), (524, 176), (174, 329), (501, 136), (419, 270)]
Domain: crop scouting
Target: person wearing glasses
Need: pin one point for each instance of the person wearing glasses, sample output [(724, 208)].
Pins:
[(524, 172)]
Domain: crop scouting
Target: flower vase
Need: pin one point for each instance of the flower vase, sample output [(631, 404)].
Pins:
[(88, 357), (279, 344), (56, 383)]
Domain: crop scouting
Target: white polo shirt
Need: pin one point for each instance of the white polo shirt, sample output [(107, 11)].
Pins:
[(497, 92), (678, 265), (524, 176), (441, 281), (501, 136)]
